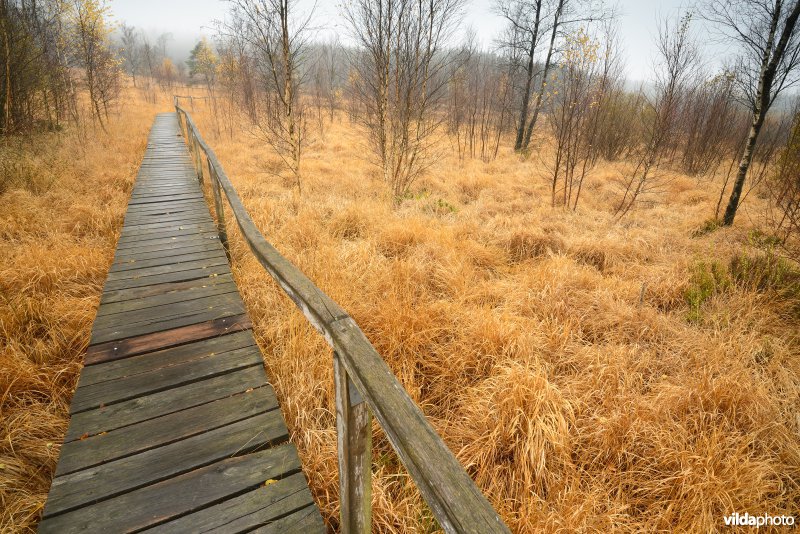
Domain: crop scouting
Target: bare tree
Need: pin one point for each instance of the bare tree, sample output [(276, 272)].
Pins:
[(36, 86), (399, 78), (92, 53), (710, 125), (676, 69), (784, 190), (274, 37), (768, 64), (131, 50), (479, 103), (535, 26)]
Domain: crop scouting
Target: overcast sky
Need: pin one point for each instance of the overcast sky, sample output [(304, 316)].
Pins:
[(188, 19)]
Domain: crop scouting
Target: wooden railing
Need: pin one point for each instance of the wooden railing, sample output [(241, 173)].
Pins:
[(364, 385)]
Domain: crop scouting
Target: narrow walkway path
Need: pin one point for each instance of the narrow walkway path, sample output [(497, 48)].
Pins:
[(174, 427)]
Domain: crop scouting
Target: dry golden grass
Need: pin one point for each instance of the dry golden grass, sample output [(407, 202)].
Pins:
[(59, 223), (578, 400)]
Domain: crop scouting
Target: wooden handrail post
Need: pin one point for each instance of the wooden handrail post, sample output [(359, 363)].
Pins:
[(354, 437), (219, 208), (198, 161)]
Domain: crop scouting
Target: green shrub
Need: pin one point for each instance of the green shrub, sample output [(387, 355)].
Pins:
[(766, 272), (708, 279), (707, 227)]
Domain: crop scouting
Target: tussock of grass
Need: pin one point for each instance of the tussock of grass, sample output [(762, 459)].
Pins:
[(550, 348)]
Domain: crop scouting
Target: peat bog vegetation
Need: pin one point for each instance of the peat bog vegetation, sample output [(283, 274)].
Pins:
[(592, 371)]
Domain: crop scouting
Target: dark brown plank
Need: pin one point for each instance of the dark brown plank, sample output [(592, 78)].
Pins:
[(114, 350), (181, 248), (137, 322), (143, 363), (102, 448), (132, 264), (167, 243), (179, 496)]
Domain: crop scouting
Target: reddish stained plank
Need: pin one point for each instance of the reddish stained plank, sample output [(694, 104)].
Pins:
[(114, 350)]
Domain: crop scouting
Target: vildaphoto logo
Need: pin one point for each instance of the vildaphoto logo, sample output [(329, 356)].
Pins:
[(746, 520)]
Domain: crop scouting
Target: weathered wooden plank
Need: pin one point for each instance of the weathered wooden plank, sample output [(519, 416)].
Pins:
[(166, 243), (205, 260), (162, 299), (299, 522), (187, 215), (175, 230), (113, 350), (143, 363), (108, 480), (128, 238), (166, 324), (256, 508), (201, 246), (121, 295), (148, 407), (164, 198), (132, 439), (149, 227), (163, 260), (177, 276), (127, 319), (178, 496), (111, 392)]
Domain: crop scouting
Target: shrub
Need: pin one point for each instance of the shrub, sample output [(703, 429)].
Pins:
[(708, 279)]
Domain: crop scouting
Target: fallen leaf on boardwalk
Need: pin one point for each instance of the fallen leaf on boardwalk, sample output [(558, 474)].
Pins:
[(83, 437), (248, 390), (270, 481)]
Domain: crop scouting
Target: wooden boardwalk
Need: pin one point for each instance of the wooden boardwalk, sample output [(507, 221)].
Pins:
[(174, 427)]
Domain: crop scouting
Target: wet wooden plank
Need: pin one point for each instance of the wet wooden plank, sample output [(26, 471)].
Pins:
[(302, 521), (108, 480), (137, 272), (180, 248)]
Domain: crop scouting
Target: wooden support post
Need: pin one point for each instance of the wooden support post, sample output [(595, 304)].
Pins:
[(219, 208), (198, 161), (354, 436)]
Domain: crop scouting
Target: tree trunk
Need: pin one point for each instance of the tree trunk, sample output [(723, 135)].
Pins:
[(547, 64), (744, 165), (769, 66), (526, 96)]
